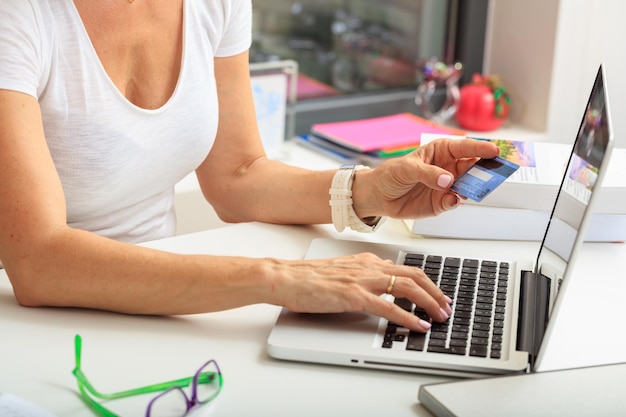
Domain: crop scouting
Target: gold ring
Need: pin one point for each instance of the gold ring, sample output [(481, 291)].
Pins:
[(392, 281)]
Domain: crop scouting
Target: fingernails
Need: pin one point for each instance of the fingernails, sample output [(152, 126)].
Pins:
[(448, 309), (444, 180), (425, 325), (445, 315), (448, 299)]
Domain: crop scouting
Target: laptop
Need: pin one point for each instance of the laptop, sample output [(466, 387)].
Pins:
[(501, 307)]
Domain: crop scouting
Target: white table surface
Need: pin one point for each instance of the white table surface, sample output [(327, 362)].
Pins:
[(121, 351)]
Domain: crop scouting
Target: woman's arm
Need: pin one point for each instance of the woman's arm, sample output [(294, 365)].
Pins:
[(51, 264), (243, 185), (238, 179)]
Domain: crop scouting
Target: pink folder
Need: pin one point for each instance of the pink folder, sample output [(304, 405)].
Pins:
[(381, 133)]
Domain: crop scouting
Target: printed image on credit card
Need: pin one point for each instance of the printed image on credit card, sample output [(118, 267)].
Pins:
[(483, 177)]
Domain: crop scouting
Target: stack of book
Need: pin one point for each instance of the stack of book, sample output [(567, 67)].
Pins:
[(371, 141), (519, 208)]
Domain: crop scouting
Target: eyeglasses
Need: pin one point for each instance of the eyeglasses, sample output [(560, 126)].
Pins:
[(172, 401)]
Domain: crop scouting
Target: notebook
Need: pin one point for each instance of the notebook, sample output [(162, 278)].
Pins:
[(504, 329), (587, 391)]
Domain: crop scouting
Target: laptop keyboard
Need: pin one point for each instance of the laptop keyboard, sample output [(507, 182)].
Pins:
[(478, 292)]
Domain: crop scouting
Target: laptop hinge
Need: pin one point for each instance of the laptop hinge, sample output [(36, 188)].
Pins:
[(533, 312)]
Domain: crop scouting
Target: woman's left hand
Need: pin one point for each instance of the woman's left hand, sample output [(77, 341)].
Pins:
[(417, 185)]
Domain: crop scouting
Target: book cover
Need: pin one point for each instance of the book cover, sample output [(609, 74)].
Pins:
[(386, 133)]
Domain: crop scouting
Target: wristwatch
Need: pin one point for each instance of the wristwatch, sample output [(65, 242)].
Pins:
[(342, 212)]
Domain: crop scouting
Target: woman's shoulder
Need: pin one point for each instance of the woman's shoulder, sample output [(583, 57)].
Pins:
[(25, 35), (227, 22), (28, 17), (225, 4)]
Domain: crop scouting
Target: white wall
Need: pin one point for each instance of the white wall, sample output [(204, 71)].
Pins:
[(548, 52)]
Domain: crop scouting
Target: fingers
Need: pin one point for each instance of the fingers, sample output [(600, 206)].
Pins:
[(356, 282), (471, 148), (443, 155), (450, 201), (395, 314), (424, 293), (419, 289)]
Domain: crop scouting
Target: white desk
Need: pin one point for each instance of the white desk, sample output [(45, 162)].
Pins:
[(120, 351)]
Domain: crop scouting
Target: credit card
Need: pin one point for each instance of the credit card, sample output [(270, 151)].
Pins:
[(483, 177)]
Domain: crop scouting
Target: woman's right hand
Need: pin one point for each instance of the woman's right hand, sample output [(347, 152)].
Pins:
[(355, 283)]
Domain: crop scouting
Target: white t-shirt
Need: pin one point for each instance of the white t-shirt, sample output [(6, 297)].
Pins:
[(118, 163)]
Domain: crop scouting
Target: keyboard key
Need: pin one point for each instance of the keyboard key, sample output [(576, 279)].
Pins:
[(457, 327), (437, 342), (470, 263), (439, 327), (461, 321), (478, 350), (459, 335), (482, 326), (399, 337), (448, 281), (452, 262), (480, 333), (453, 350), (458, 343), (431, 271), (414, 259), (479, 341), (434, 259), (438, 335), (483, 306), (415, 341), (404, 303)]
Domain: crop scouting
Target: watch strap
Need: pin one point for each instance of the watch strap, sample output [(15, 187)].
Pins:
[(342, 212)]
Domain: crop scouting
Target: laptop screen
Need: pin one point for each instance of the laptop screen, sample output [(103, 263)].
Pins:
[(587, 163)]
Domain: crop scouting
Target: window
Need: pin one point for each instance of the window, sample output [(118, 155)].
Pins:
[(357, 58)]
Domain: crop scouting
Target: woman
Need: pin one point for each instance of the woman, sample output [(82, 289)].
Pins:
[(105, 105)]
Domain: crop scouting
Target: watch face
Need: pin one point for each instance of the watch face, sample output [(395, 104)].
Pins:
[(348, 166)]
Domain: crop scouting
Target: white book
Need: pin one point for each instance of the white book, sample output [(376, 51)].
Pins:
[(471, 221), (534, 185)]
